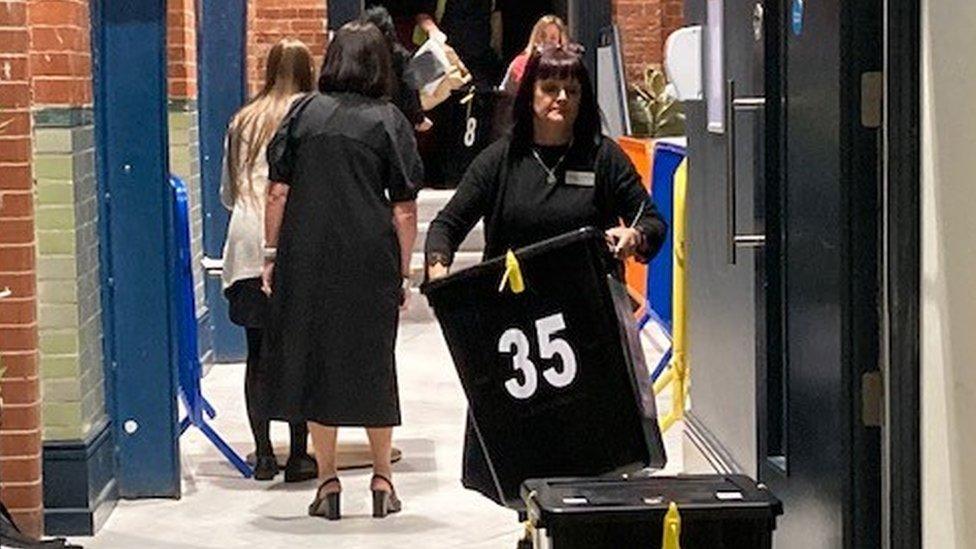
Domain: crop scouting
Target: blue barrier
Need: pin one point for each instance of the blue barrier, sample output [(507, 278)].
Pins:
[(190, 371), (660, 273)]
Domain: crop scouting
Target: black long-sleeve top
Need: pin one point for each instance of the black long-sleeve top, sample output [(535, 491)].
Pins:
[(596, 185)]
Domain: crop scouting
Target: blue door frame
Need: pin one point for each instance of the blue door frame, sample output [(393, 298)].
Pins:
[(222, 81), (129, 43)]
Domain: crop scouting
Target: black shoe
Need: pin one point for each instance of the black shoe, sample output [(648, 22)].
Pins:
[(266, 468), (326, 504), (301, 468), (385, 502)]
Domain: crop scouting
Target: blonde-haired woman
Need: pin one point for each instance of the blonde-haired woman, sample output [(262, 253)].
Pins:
[(548, 30), (243, 190)]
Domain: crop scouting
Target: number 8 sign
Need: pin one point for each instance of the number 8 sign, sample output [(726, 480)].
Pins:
[(516, 343)]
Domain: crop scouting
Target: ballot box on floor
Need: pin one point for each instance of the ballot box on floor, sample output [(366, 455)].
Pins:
[(545, 345), (710, 512)]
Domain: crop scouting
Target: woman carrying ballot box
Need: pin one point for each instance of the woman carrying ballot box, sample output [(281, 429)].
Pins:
[(555, 173)]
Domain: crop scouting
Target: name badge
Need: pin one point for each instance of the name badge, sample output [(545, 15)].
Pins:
[(580, 179)]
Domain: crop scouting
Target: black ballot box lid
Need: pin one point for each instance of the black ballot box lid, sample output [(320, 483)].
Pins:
[(554, 375), (716, 511)]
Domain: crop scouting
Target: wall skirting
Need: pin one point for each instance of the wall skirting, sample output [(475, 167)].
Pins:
[(80, 491)]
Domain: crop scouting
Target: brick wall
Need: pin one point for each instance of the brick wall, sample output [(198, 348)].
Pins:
[(60, 58), (644, 27), (181, 48), (20, 421), (184, 141), (271, 20)]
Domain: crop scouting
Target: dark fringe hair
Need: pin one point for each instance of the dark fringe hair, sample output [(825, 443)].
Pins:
[(358, 61), (561, 63)]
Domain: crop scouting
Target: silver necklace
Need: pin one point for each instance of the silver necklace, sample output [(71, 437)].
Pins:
[(550, 172)]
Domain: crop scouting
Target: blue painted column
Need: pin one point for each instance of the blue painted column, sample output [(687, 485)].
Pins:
[(129, 42), (222, 81)]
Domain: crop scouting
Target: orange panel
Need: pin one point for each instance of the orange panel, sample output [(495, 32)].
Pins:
[(641, 153)]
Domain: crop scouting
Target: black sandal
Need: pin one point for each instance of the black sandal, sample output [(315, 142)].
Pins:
[(326, 505), (385, 502)]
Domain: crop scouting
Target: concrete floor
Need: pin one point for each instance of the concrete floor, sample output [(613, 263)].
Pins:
[(219, 509)]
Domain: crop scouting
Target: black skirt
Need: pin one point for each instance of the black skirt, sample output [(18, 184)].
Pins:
[(247, 303)]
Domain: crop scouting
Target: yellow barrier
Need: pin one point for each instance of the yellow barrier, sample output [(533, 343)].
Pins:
[(676, 376)]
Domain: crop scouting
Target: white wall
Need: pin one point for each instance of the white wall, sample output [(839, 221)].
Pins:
[(949, 274)]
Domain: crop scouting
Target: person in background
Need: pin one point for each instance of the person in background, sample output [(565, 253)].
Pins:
[(471, 27), (554, 174), (548, 30), (243, 188), (340, 225), (406, 97)]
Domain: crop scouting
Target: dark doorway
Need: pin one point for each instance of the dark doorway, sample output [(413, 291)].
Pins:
[(785, 253)]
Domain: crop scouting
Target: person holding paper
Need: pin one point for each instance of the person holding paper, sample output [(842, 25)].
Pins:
[(407, 95)]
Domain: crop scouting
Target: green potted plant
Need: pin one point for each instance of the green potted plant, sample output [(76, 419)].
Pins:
[(654, 112)]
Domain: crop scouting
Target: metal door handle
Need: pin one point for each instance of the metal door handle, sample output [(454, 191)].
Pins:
[(733, 105)]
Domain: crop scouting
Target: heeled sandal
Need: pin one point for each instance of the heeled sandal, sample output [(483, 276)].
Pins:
[(385, 502), (326, 504)]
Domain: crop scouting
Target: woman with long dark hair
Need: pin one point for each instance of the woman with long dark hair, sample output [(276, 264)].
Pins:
[(554, 174), (243, 188), (340, 225)]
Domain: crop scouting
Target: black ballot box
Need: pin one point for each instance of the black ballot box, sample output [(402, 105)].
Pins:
[(554, 375), (716, 512)]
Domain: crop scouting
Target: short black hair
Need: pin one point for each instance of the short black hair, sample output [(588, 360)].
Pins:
[(358, 61), (563, 63), (380, 16)]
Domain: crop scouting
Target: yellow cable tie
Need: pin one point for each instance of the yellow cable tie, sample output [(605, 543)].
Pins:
[(513, 274), (672, 528)]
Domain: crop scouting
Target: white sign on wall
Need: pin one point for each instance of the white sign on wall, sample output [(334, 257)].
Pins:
[(715, 67)]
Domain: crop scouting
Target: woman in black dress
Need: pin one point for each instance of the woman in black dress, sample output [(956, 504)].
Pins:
[(556, 173), (340, 224)]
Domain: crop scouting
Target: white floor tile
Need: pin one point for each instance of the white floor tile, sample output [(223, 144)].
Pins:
[(221, 510)]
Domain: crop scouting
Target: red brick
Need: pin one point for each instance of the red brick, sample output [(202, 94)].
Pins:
[(17, 231), (13, 14), (18, 311), (13, 40), (62, 91), (21, 417), (15, 150), (22, 495), (13, 68), (30, 521), (46, 39), (25, 390), (15, 177), (15, 95), (20, 468), (56, 13), (16, 123), (19, 363), (18, 338)]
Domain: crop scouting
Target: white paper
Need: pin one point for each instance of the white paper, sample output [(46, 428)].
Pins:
[(437, 49)]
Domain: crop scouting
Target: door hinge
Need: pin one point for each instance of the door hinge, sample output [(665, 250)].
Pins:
[(872, 99), (872, 399)]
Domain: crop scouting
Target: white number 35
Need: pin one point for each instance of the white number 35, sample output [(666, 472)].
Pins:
[(515, 341)]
